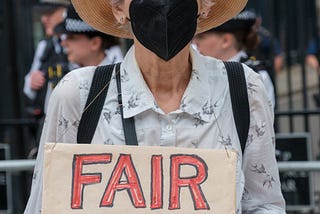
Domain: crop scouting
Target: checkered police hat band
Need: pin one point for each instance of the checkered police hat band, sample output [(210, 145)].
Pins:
[(75, 25)]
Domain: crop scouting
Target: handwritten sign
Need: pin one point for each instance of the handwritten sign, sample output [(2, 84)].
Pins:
[(126, 179)]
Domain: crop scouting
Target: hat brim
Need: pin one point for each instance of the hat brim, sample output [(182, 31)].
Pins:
[(99, 15), (234, 26), (46, 7)]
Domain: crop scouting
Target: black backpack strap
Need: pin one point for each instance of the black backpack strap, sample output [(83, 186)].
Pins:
[(128, 124), (239, 100), (92, 111)]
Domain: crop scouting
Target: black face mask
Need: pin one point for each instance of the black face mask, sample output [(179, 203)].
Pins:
[(164, 27)]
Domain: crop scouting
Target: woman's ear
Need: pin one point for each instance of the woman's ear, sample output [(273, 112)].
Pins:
[(227, 40), (96, 43), (119, 13), (204, 8)]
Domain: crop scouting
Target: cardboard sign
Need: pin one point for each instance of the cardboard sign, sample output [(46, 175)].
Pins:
[(127, 179)]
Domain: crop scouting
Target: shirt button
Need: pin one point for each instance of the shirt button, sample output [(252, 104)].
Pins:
[(169, 127)]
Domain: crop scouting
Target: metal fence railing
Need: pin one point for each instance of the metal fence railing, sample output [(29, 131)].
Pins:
[(17, 165), (284, 166)]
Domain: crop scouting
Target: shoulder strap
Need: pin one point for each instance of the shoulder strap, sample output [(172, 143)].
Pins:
[(239, 100), (98, 91), (128, 124), (90, 117)]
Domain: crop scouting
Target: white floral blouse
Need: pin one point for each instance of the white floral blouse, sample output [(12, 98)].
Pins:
[(204, 120)]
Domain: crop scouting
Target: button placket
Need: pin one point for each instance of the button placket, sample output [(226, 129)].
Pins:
[(168, 134), (169, 127)]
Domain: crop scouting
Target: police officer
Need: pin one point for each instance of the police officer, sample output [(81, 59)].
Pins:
[(49, 62), (84, 45), (49, 65), (232, 41)]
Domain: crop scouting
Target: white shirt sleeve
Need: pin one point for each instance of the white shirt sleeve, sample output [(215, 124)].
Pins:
[(64, 103), (262, 193), (269, 86), (36, 63)]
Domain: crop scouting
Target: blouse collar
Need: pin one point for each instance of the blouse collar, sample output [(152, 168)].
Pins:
[(198, 99)]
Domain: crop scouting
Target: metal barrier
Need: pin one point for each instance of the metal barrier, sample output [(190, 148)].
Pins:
[(284, 166), (17, 165), (304, 166)]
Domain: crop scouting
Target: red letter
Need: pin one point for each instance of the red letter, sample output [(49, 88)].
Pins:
[(193, 182), (156, 182), (79, 180), (124, 165)]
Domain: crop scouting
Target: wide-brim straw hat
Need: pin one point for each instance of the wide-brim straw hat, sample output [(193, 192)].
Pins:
[(98, 14)]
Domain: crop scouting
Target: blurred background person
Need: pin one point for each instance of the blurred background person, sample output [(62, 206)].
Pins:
[(86, 46), (232, 41), (269, 49), (312, 54), (49, 64), (312, 61), (49, 56)]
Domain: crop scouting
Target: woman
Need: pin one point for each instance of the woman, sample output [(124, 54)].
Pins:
[(176, 96), (233, 41), (86, 46)]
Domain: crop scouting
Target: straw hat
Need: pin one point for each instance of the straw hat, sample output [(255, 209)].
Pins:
[(98, 14)]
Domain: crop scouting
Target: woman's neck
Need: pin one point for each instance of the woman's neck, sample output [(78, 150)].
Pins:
[(167, 80)]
